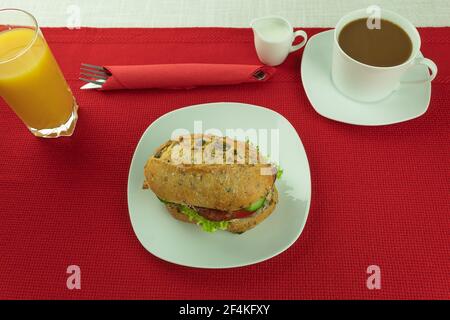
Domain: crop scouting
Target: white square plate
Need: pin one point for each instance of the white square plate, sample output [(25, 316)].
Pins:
[(186, 244)]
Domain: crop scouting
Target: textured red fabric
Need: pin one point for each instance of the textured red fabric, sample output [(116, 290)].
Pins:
[(183, 75), (380, 194)]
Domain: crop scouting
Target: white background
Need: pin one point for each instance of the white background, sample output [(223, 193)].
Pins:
[(222, 13)]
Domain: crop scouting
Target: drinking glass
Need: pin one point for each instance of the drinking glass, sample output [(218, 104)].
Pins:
[(31, 82)]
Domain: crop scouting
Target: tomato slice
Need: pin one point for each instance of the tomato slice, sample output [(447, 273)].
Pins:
[(242, 214)]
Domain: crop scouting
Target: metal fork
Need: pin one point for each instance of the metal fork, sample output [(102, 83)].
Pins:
[(93, 74)]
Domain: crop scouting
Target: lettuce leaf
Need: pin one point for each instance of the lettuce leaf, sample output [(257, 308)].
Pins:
[(205, 224), (279, 172)]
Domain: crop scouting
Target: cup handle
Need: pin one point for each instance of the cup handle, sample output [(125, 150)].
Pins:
[(299, 33), (429, 64)]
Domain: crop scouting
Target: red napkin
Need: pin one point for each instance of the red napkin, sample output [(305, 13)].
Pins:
[(188, 75)]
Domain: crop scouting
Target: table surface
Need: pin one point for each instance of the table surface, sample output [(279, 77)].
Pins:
[(380, 194), (220, 13)]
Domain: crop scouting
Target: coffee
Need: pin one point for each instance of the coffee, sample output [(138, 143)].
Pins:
[(387, 46)]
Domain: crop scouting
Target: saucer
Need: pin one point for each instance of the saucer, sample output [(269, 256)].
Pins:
[(408, 102)]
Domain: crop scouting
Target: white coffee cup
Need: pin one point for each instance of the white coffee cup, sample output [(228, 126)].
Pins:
[(273, 38), (368, 83)]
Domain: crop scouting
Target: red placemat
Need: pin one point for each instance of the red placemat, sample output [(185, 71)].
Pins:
[(380, 194)]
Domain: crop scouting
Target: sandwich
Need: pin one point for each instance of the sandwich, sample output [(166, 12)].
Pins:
[(215, 182)]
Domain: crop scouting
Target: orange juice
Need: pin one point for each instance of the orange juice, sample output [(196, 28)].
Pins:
[(31, 82)]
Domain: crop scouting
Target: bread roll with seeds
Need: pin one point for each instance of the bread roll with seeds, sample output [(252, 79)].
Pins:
[(209, 171)]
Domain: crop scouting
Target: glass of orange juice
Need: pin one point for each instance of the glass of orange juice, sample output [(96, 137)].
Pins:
[(31, 81)]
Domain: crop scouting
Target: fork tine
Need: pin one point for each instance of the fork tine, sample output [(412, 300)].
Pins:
[(93, 66), (92, 81), (101, 73), (95, 76)]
